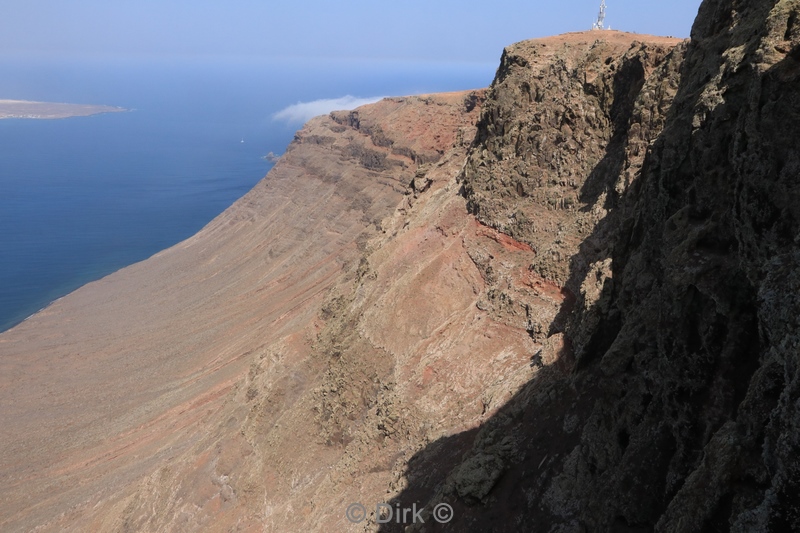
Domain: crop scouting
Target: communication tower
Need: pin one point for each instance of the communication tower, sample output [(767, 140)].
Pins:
[(600, 23)]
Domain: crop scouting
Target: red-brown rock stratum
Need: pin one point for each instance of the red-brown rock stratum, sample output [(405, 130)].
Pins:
[(564, 303)]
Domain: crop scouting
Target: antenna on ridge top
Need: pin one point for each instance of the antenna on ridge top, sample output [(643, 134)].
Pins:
[(599, 24)]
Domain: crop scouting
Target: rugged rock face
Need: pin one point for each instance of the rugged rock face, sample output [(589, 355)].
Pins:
[(561, 141), (565, 304), (174, 394), (561, 138), (681, 412)]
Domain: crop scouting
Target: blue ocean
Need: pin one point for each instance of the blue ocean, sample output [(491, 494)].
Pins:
[(85, 196)]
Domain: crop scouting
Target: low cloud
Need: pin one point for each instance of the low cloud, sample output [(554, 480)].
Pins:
[(302, 111)]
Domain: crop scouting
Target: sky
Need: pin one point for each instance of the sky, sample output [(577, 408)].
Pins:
[(411, 30)]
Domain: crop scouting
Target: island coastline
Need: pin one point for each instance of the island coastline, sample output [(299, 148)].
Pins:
[(27, 109)]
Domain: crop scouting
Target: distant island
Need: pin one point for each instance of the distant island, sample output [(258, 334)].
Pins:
[(49, 110)]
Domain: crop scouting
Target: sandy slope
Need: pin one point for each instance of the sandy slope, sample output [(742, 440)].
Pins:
[(116, 379), (347, 313)]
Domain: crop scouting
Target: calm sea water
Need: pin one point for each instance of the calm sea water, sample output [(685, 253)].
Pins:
[(85, 196)]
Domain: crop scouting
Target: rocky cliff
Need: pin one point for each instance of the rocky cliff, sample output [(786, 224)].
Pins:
[(566, 303), (184, 362), (680, 409)]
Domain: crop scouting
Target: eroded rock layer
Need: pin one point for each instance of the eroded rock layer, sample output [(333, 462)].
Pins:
[(681, 411), (175, 369), (567, 303)]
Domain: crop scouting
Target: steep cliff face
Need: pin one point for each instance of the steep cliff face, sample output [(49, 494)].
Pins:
[(151, 400), (561, 138), (705, 279), (681, 412), (567, 303)]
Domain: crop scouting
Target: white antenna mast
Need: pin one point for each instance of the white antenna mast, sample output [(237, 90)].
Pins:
[(601, 17)]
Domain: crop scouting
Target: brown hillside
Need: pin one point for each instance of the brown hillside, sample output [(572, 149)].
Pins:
[(566, 303)]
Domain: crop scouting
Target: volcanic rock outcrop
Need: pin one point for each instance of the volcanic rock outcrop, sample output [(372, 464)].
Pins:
[(681, 410), (567, 303)]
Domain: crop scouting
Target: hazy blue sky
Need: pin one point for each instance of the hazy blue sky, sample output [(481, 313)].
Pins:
[(409, 29)]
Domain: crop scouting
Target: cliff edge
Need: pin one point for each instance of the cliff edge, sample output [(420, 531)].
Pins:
[(566, 303), (150, 370), (679, 412)]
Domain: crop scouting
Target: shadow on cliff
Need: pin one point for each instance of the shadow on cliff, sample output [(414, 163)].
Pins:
[(627, 84), (492, 476), (527, 467), (485, 468)]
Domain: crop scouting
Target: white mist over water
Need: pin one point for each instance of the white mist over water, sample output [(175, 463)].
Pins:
[(302, 112)]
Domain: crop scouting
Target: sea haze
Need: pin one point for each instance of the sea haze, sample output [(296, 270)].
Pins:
[(85, 196)]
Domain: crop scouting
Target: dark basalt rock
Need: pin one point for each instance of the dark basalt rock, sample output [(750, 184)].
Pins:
[(683, 177)]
